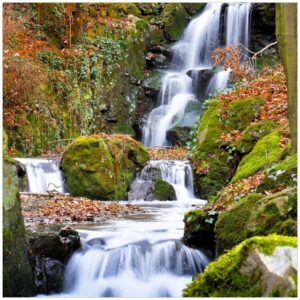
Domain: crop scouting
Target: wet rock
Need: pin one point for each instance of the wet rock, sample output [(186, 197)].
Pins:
[(141, 190), (49, 275), (178, 136), (152, 83), (201, 79), (51, 252)]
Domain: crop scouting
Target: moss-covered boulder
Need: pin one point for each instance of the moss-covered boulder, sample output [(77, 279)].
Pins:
[(266, 151), (174, 18), (258, 267), (257, 215), (199, 228), (102, 167), (18, 278), (214, 162), (164, 190)]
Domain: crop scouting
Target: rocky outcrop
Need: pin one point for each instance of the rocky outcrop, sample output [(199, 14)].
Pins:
[(18, 279), (102, 167), (51, 252), (258, 267)]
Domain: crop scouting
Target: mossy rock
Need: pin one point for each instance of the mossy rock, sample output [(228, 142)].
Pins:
[(217, 162), (282, 175), (242, 112), (193, 8), (174, 18), (256, 215), (102, 167), (199, 228), (266, 151), (18, 276), (164, 190), (252, 134), (248, 270)]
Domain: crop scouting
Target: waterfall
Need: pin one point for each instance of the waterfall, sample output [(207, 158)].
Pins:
[(135, 270), (43, 175), (192, 52), (237, 24), (176, 172)]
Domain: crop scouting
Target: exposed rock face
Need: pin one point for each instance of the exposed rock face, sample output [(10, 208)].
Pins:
[(275, 270), (102, 167), (258, 267), (18, 279), (51, 252)]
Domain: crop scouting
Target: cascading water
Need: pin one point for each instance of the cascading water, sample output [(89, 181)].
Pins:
[(43, 175), (142, 255), (178, 173), (192, 52)]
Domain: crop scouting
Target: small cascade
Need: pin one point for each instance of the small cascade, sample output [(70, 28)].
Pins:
[(176, 172), (191, 54), (43, 175)]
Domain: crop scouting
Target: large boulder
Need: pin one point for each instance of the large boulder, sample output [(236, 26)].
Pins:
[(258, 267), (257, 215), (18, 278), (102, 167)]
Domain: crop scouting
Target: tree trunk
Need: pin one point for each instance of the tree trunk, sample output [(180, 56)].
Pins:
[(286, 33)]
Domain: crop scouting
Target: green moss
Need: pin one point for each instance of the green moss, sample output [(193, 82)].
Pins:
[(164, 191), (252, 134), (102, 167), (242, 112), (174, 20), (256, 215), (281, 175), (131, 8), (223, 278), (264, 152)]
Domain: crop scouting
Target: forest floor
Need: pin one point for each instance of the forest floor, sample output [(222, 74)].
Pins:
[(51, 209)]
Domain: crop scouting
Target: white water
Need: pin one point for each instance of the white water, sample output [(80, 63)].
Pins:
[(137, 256), (192, 52), (43, 175), (176, 172)]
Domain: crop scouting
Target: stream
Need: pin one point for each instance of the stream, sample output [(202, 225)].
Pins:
[(143, 255)]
